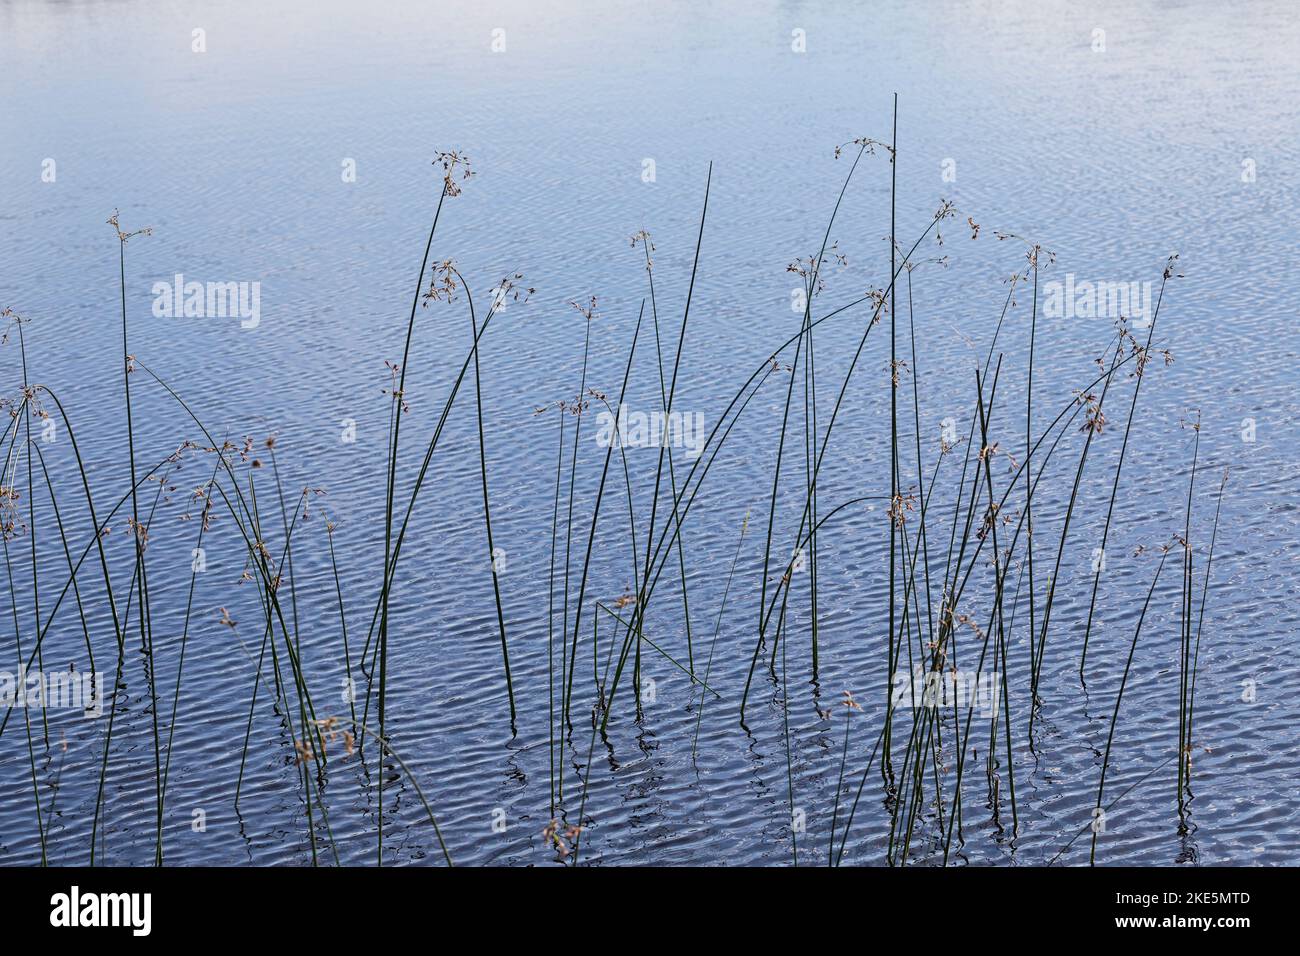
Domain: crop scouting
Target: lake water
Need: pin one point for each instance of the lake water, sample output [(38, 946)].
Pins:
[(295, 151)]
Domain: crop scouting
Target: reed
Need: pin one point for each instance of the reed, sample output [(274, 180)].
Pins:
[(961, 561), (1119, 697)]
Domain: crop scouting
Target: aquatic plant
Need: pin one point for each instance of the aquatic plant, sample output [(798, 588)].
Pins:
[(978, 592)]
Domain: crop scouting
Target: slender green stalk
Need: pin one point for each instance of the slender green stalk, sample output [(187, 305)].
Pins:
[(1123, 448), (1119, 697), (487, 508)]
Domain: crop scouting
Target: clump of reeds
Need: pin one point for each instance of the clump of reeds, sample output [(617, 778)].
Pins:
[(959, 572)]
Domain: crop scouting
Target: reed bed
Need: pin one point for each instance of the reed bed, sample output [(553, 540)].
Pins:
[(973, 570)]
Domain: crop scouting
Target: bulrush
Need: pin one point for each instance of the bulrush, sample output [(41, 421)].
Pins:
[(954, 538)]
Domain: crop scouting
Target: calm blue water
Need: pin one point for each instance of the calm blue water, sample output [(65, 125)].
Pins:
[(1112, 159)]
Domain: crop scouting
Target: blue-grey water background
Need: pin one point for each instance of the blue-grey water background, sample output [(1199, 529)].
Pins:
[(1112, 159)]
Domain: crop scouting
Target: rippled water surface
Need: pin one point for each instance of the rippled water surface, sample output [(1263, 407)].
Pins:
[(1180, 136)]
